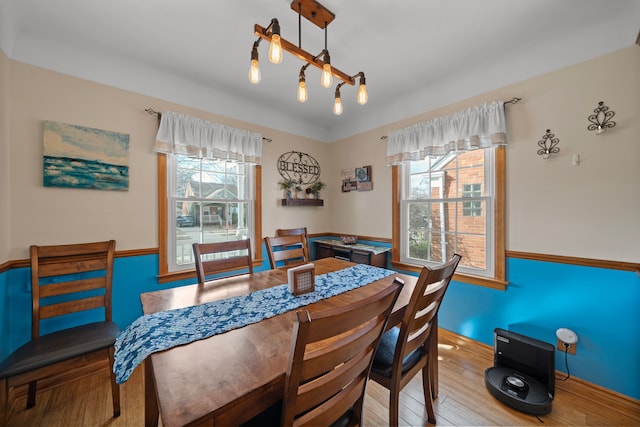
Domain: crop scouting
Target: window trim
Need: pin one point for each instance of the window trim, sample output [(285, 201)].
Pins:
[(498, 281), (164, 275)]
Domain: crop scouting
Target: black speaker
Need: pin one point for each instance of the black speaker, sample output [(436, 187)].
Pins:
[(523, 372)]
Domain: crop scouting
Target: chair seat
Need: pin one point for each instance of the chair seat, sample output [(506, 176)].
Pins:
[(59, 346), (383, 360)]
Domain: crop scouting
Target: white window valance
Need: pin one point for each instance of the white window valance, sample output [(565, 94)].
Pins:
[(481, 126), (194, 137)]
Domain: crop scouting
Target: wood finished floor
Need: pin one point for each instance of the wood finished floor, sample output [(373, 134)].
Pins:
[(463, 399)]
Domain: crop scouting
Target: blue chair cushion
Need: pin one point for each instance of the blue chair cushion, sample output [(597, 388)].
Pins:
[(59, 346), (383, 360)]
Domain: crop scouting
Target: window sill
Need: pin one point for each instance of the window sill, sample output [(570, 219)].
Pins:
[(174, 276), (464, 278)]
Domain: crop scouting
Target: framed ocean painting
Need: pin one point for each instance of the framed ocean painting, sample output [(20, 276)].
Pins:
[(82, 157)]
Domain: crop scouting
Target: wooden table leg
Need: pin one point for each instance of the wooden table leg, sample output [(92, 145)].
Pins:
[(4, 402), (433, 359), (151, 412)]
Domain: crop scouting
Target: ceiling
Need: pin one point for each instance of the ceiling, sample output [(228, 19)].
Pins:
[(417, 54)]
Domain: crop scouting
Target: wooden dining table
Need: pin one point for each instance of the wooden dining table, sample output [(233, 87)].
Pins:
[(231, 377)]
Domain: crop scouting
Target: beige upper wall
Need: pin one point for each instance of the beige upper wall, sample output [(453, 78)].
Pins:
[(590, 210), (5, 229), (49, 215), (552, 207), (275, 216)]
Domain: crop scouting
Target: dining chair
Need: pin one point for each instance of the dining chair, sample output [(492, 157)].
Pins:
[(329, 363), (404, 350), (220, 257), (293, 231), (70, 286), (286, 251)]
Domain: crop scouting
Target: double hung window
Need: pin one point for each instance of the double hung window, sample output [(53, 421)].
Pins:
[(209, 173), (447, 207), (209, 201), (449, 175)]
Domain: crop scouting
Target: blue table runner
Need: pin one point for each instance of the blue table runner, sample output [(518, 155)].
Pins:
[(166, 329)]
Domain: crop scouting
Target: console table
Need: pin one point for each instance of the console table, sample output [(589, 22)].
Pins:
[(358, 253)]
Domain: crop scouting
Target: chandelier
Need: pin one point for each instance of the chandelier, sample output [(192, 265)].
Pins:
[(322, 17)]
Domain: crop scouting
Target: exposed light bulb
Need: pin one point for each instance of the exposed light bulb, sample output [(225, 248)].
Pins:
[(363, 96), (254, 72), (302, 91), (326, 79), (337, 106), (275, 50)]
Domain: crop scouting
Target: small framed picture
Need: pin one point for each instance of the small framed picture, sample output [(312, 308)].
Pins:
[(362, 175), (348, 174), (365, 186)]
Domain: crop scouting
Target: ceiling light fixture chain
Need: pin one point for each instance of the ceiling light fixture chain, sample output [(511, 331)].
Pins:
[(321, 17)]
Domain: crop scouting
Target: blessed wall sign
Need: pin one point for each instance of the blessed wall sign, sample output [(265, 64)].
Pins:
[(298, 167)]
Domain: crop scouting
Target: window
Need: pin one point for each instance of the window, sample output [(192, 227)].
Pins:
[(449, 193), (209, 189), (208, 201), (447, 206)]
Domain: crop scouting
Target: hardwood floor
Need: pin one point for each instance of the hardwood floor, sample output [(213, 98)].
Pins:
[(463, 399)]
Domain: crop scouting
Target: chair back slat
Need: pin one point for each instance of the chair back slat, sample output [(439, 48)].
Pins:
[(74, 274), (287, 249), (331, 356), (62, 266), (219, 257), (342, 349), (53, 310), (73, 250), (294, 231), (55, 289)]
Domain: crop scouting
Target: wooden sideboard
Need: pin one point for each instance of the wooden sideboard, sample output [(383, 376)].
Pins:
[(358, 253)]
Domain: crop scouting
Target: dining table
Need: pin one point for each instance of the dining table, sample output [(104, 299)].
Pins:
[(229, 378)]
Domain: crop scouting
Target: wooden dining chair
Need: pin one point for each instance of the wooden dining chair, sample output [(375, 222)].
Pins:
[(294, 231), (65, 280), (329, 363), (286, 251), (221, 257), (404, 350)]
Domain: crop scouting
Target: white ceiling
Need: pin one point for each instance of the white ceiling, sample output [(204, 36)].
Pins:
[(417, 54)]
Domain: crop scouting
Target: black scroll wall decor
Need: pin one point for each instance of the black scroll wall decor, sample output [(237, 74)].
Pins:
[(548, 145), (299, 168), (601, 120)]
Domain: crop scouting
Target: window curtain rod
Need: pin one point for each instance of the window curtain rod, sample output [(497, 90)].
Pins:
[(513, 100), (153, 112)]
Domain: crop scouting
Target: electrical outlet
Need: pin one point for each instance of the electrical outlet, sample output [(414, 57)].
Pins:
[(571, 349)]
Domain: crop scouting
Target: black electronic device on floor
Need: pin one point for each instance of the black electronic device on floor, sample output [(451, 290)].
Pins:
[(523, 375)]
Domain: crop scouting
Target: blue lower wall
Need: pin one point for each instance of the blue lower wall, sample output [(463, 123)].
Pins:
[(600, 305)]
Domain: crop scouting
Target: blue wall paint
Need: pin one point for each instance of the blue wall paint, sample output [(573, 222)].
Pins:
[(600, 305), (4, 316)]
